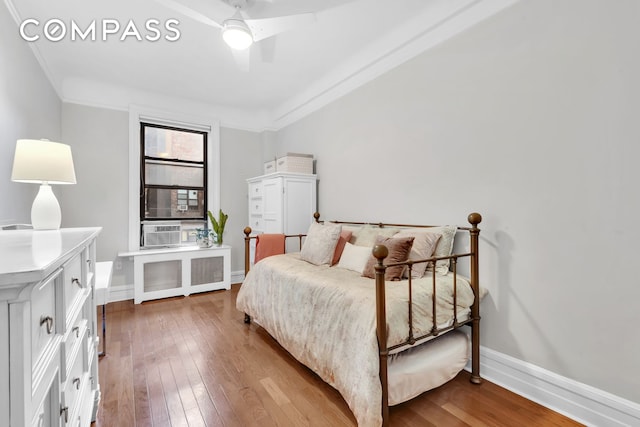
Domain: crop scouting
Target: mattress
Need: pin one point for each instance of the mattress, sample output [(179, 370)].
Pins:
[(427, 366)]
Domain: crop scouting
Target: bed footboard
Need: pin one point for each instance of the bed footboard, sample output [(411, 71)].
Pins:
[(380, 252)]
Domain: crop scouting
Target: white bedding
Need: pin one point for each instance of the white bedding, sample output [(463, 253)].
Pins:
[(325, 317)]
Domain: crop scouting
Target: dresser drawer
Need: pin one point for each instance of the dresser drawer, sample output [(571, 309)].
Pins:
[(256, 223), (255, 190), (43, 317), (255, 207), (76, 383), (71, 345), (46, 413), (74, 281)]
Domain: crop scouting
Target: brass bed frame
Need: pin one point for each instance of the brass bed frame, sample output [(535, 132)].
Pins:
[(380, 252)]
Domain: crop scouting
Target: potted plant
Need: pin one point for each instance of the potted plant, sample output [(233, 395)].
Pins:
[(218, 225)]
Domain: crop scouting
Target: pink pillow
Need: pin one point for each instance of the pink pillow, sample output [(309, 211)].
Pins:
[(345, 236)]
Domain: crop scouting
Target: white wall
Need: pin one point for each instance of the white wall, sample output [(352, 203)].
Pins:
[(100, 140), (529, 118), (29, 108)]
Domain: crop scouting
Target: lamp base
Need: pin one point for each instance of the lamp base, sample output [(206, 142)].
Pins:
[(45, 211)]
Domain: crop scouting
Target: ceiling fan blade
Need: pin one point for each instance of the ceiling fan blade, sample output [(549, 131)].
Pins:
[(242, 58), (267, 49), (191, 13), (267, 27)]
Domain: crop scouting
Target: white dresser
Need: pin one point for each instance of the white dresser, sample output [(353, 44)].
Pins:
[(282, 202), (48, 329)]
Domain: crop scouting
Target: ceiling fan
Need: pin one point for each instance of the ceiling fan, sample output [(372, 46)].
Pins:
[(238, 30)]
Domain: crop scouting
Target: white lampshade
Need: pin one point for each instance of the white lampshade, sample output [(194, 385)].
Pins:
[(44, 162), (39, 161), (237, 34)]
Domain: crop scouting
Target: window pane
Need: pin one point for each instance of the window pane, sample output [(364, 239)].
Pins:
[(164, 203), (173, 144), (159, 173)]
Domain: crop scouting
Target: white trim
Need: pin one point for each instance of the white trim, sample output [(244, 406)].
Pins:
[(581, 402), (442, 20), (237, 277), (212, 126), (439, 22), (36, 52), (121, 293)]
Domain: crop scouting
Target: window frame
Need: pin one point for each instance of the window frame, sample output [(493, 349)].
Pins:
[(138, 114), (143, 162)]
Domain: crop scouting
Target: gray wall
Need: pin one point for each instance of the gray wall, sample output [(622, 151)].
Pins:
[(240, 159), (531, 119), (29, 108), (100, 140)]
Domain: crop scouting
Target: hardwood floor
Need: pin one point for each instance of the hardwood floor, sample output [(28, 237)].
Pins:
[(193, 362)]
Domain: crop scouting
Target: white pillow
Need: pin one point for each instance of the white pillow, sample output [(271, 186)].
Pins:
[(444, 247), (320, 243), (354, 257)]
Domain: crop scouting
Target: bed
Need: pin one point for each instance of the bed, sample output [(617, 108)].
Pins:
[(378, 342)]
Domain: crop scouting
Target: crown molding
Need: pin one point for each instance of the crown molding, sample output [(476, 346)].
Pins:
[(115, 97), (439, 22), (34, 49), (436, 24)]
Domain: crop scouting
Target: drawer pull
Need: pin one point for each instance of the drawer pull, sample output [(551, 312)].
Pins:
[(77, 282), (48, 320), (65, 411), (76, 329), (76, 382)]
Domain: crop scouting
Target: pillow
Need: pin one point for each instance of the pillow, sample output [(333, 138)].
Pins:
[(367, 234), (345, 235), (423, 247), (320, 243), (444, 247), (354, 257), (399, 249)]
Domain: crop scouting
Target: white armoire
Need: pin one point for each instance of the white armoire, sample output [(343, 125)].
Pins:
[(282, 202)]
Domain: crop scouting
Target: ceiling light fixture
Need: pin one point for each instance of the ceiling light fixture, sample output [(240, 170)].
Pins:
[(236, 33)]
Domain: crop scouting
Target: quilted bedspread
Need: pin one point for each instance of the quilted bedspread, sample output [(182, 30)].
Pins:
[(325, 317)]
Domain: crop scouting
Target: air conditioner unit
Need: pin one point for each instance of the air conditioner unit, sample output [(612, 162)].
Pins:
[(162, 234)]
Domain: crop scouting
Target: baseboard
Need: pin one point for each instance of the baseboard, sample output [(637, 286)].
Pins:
[(581, 402), (120, 293), (237, 277)]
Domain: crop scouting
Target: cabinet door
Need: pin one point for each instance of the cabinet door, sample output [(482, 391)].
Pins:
[(272, 205), (299, 205)]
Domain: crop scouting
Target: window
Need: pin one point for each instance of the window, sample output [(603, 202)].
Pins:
[(174, 174)]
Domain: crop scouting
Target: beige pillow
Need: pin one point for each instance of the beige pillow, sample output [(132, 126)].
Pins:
[(424, 245), (320, 243), (354, 257), (367, 234), (399, 249), (444, 247)]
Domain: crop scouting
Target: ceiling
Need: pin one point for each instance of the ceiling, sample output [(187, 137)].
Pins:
[(351, 42)]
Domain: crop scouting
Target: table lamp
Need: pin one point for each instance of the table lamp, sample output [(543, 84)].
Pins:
[(44, 162)]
